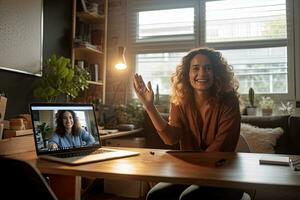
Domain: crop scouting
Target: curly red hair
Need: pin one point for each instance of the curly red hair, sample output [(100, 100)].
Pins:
[(60, 129), (224, 80)]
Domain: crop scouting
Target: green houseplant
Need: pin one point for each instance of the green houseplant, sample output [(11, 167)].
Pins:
[(132, 113), (251, 109), (266, 104), (61, 78), (45, 130)]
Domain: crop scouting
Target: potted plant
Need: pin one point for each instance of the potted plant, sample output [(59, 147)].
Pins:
[(251, 109), (45, 130), (131, 113), (286, 108), (60, 78), (266, 104)]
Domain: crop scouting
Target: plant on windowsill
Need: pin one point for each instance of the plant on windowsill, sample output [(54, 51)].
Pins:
[(60, 78), (251, 109), (45, 130), (267, 105), (132, 113), (287, 108)]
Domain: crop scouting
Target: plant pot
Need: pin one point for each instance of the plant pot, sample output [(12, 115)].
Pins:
[(266, 111), (46, 141), (252, 111)]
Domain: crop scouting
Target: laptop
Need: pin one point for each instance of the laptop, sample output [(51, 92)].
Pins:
[(50, 122)]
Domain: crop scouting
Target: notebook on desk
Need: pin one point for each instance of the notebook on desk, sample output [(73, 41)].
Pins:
[(82, 145)]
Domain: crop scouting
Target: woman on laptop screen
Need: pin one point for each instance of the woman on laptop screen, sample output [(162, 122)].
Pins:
[(68, 133)]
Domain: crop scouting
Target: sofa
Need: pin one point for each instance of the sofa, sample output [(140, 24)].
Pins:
[(287, 143)]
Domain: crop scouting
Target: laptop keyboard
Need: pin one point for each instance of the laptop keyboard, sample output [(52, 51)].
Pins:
[(81, 153)]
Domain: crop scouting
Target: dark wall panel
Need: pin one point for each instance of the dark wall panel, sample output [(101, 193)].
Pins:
[(57, 27)]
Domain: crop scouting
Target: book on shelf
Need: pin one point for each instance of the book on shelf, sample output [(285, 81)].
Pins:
[(97, 37), (94, 71), (84, 6), (81, 44)]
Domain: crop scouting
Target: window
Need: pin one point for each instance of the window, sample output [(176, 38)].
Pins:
[(156, 25), (157, 68), (240, 20), (261, 30), (81, 118), (264, 69), (255, 37)]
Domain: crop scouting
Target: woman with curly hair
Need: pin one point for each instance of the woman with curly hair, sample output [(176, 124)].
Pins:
[(204, 115), (68, 132)]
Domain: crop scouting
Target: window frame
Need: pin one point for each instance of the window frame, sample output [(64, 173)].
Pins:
[(199, 38), (296, 25)]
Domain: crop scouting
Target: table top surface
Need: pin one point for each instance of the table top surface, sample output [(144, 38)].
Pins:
[(120, 134), (239, 169)]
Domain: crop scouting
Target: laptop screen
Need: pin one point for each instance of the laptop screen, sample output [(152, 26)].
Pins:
[(64, 127)]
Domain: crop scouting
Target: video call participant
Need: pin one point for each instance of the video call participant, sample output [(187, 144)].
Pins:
[(68, 132)]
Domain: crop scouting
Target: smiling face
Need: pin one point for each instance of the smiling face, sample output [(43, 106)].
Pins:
[(68, 121), (201, 74)]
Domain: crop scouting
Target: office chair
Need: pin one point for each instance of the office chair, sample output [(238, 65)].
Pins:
[(242, 146), (20, 180)]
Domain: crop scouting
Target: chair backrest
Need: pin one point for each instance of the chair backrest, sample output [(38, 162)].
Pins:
[(20, 180), (242, 145)]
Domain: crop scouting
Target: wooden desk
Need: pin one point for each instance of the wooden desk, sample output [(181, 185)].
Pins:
[(241, 170), (120, 134)]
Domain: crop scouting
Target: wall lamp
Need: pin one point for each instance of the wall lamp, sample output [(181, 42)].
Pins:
[(121, 62)]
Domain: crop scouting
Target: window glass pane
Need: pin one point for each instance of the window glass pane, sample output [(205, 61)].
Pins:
[(165, 22), (264, 69), (158, 68), (244, 20), (81, 118)]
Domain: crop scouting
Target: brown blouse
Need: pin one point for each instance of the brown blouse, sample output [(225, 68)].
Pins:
[(219, 129)]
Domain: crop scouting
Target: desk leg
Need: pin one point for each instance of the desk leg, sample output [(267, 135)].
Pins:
[(66, 187)]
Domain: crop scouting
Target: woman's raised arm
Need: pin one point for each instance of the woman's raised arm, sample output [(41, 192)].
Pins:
[(146, 96)]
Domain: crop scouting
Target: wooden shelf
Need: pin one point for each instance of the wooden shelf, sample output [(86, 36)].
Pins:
[(89, 36), (16, 133), (95, 82), (89, 17), (88, 49)]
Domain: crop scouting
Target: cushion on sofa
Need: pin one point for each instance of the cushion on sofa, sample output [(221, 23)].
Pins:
[(261, 140), (242, 145), (282, 146)]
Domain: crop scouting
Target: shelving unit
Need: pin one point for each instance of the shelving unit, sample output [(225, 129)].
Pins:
[(89, 40)]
